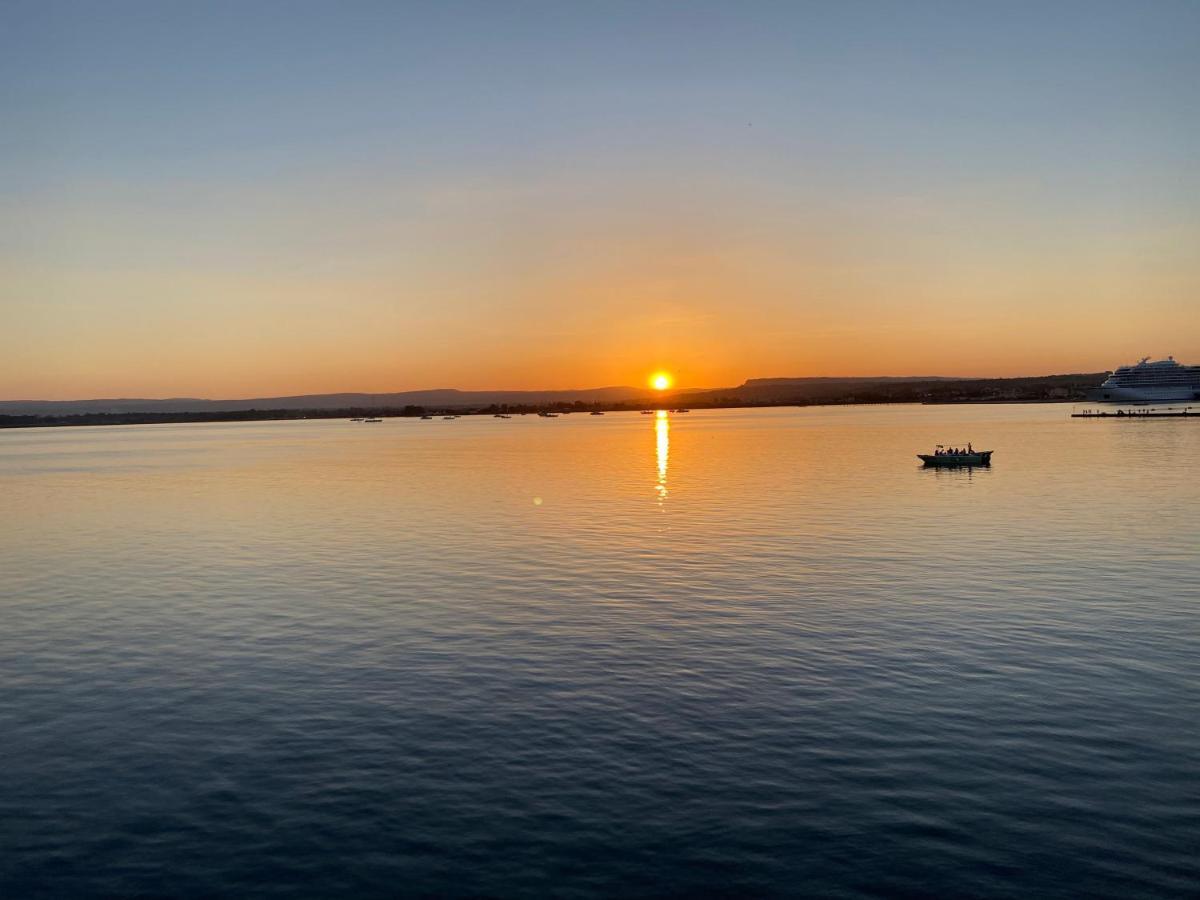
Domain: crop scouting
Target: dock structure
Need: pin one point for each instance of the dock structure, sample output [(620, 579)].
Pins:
[(1188, 412)]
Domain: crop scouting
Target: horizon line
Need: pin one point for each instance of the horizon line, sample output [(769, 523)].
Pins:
[(647, 389)]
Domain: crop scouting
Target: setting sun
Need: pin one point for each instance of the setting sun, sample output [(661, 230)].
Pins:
[(660, 381)]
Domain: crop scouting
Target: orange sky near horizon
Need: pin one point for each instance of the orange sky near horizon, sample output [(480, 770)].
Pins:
[(512, 199), (569, 304)]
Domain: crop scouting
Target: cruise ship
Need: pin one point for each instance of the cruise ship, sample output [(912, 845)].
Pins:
[(1160, 381)]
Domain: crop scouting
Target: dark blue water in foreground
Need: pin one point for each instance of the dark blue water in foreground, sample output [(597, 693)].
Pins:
[(729, 652)]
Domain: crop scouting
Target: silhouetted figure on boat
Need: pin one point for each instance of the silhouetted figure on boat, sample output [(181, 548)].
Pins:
[(956, 456)]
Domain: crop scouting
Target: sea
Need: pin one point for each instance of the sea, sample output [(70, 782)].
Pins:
[(718, 653)]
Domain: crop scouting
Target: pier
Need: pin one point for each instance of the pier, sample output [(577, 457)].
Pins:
[(1150, 413)]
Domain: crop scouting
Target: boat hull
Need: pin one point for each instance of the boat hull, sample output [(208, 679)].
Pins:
[(1143, 395), (982, 458)]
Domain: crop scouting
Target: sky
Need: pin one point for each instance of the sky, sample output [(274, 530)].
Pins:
[(254, 198)]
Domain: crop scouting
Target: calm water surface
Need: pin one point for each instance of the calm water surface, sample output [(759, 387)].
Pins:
[(741, 652)]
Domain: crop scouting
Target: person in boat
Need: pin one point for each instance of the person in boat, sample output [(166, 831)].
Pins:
[(970, 449)]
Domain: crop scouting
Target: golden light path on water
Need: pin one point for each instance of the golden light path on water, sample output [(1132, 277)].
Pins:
[(662, 445)]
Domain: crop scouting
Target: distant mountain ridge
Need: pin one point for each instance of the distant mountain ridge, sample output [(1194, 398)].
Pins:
[(866, 389), (440, 397), (899, 389), (853, 379)]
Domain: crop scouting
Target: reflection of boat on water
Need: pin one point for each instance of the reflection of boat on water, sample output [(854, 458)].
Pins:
[(941, 457)]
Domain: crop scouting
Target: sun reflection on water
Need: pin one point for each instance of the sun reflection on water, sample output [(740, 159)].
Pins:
[(662, 446)]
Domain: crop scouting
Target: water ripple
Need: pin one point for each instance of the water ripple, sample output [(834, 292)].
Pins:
[(740, 652)]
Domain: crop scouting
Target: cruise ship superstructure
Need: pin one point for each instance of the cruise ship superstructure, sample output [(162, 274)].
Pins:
[(1160, 381)]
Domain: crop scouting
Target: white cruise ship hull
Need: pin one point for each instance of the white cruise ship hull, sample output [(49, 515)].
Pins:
[(1163, 381), (1143, 395)]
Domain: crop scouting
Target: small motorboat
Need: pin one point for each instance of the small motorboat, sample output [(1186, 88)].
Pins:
[(943, 457), (372, 420), (548, 415), (647, 412), (597, 413), (359, 419)]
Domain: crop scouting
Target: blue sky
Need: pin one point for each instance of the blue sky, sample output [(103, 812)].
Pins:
[(241, 198)]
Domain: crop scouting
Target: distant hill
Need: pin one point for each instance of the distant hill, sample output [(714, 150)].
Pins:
[(932, 389), (852, 379), (447, 398), (755, 391)]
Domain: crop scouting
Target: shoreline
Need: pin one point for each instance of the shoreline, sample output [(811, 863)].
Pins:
[(409, 412)]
